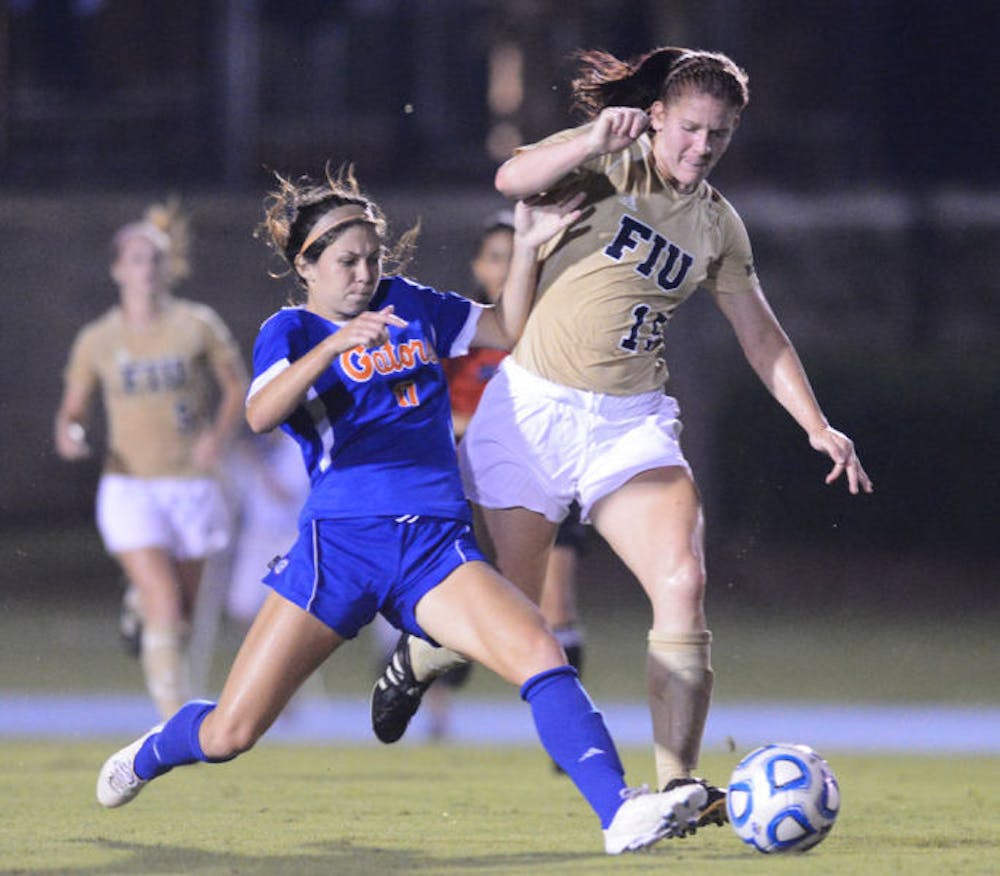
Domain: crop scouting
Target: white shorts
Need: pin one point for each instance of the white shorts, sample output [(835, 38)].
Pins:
[(187, 517), (540, 445)]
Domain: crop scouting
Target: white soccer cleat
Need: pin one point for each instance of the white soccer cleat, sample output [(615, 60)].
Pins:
[(117, 783), (646, 818)]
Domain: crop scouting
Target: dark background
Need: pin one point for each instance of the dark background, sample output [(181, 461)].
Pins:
[(865, 169)]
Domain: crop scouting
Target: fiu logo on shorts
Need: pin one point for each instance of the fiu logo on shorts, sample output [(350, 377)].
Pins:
[(361, 365), (669, 261)]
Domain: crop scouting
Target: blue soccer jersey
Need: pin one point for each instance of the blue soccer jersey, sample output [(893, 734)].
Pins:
[(375, 429)]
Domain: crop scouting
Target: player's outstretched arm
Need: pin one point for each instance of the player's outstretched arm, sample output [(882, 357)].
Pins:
[(534, 224), (840, 449), (538, 168), (775, 361)]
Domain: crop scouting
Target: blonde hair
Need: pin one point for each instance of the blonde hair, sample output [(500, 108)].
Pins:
[(168, 229)]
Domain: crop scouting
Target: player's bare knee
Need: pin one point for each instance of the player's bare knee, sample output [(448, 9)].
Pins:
[(681, 586), (222, 739), (543, 651), (519, 657)]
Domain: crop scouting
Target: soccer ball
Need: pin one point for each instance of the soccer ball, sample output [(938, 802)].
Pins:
[(782, 798)]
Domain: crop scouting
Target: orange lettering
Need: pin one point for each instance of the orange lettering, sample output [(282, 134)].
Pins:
[(357, 364)]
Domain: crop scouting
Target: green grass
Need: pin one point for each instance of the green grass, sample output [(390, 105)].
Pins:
[(905, 659), (306, 810), (789, 624), (426, 810)]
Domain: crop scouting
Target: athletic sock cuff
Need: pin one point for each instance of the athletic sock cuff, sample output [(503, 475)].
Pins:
[(533, 684), (675, 640), (200, 710)]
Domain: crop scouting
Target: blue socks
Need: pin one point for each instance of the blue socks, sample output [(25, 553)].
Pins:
[(573, 732), (570, 728), (176, 743)]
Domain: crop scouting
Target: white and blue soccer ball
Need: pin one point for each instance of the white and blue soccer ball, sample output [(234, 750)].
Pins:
[(782, 798)]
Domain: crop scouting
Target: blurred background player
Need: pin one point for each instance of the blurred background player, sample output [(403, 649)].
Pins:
[(353, 375), (578, 412), (172, 383), (265, 485)]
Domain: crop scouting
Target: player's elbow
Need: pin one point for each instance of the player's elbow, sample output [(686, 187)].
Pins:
[(258, 419), (505, 181)]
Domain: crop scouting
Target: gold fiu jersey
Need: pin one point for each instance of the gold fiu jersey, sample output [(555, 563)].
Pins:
[(157, 384), (610, 282)]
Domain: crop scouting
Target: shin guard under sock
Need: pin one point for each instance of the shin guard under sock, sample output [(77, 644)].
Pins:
[(573, 732)]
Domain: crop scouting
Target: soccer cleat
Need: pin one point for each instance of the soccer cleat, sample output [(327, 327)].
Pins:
[(396, 694), (117, 783), (646, 818), (714, 809)]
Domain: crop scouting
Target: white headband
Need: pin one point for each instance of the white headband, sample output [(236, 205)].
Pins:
[(333, 219)]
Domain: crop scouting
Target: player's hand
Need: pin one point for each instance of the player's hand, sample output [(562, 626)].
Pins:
[(71, 441), (615, 128), (840, 449), (536, 221), (368, 329)]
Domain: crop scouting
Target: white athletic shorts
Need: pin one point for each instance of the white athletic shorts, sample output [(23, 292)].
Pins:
[(540, 445), (187, 517)]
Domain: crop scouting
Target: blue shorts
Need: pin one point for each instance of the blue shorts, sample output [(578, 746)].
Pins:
[(346, 571)]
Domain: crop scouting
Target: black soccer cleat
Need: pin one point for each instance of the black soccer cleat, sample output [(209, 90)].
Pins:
[(714, 809), (396, 695)]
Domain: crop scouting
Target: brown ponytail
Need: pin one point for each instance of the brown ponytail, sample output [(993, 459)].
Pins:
[(603, 80)]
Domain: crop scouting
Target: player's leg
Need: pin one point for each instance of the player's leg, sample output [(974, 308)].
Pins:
[(283, 647), (130, 620), (520, 541), (163, 646), (475, 611), (558, 601), (503, 480), (654, 523), (201, 524)]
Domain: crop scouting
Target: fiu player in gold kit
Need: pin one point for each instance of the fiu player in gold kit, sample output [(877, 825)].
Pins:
[(578, 410), (172, 382)]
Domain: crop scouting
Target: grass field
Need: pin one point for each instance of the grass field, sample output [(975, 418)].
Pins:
[(787, 626), (488, 810), (304, 810)]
